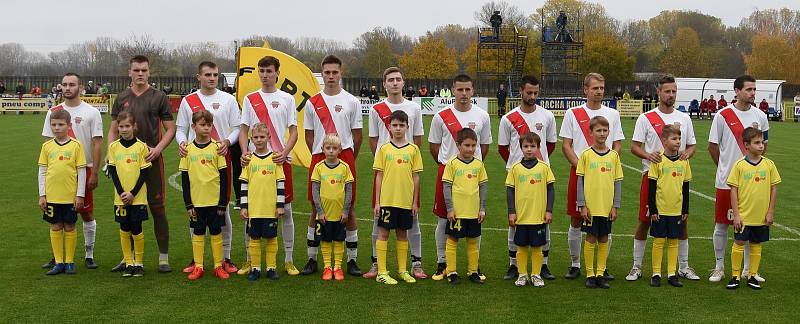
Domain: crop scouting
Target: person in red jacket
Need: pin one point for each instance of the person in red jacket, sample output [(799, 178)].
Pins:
[(722, 103), (764, 106), (712, 106)]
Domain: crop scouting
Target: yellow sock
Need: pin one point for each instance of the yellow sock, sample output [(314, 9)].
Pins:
[(755, 257), (588, 257), (255, 253), (125, 243), (602, 257), (538, 257), (472, 255), (658, 254), (522, 259), (737, 258), (451, 255), (69, 246), (326, 249), (57, 243), (198, 248), (380, 250), (216, 249), (138, 249), (672, 256), (272, 253), (402, 256), (338, 253)]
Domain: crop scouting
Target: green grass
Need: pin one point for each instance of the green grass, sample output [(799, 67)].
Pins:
[(29, 295)]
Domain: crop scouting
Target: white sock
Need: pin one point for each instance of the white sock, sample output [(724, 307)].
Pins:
[(720, 241), (352, 237), (163, 257), (287, 233), (227, 234), (312, 250), (546, 247), (415, 239), (89, 233), (441, 240), (512, 248), (746, 264), (683, 254), (638, 252), (574, 242), (246, 243), (374, 238), (609, 246)]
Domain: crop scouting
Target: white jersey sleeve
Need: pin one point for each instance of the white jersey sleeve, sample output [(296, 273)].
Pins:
[(291, 106), (551, 128), (234, 119), (486, 131), (355, 113), (418, 131), (691, 139), (309, 116), (617, 134), (373, 126), (717, 127), (46, 131), (437, 131), (567, 127), (183, 122), (97, 123), (640, 130), (504, 132)]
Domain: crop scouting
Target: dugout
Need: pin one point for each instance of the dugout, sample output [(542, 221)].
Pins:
[(699, 88)]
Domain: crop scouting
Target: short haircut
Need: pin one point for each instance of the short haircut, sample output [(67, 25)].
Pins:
[(389, 70), (270, 61), (664, 79), (259, 128), (670, 130), (331, 59), (204, 115), (462, 78), (209, 64), (593, 76), (598, 121), (126, 115), (738, 83), (61, 114), (399, 115), (465, 134), (748, 134), (139, 59), (530, 137), (73, 74), (332, 139), (528, 79)]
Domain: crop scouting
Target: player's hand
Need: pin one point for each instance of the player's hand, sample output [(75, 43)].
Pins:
[(481, 216), (43, 203), (322, 218), (105, 169), (584, 213), (91, 183), (223, 147), (684, 156), (78, 203), (451, 216), (415, 210), (126, 197), (684, 217), (770, 218), (278, 157), (192, 213), (512, 219), (280, 212), (654, 157), (376, 212), (221, 210), (654, 217), (182, 151), (154, 153), (345, 216), (245, 159), (548, 217), (613, 215), (737, 223), (244, 214)]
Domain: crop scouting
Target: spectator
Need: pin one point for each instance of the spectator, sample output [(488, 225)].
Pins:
[(764, 106), (436, 91), (637, 94), (373, 93), (423, 91), (364, 92), (2, 88), (647, 99), (104, 91), (722, 103), (618, 94), (735, 99), (626, 96), (91, 88), (20, 90), (703, 108), (501, 100), (36, 91), (797, 99), (711, 105), (410, 93), (694, 107)]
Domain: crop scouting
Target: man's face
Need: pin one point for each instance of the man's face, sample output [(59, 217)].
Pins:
[(139, 72), (332, 74), (667, 93), (70, 87), (747, 93), (595, 90), (463, 92), (393, 83), (268, 75), (529, 94), (208, 77)]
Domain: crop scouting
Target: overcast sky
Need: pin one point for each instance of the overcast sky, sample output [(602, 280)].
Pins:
[(52, 25)]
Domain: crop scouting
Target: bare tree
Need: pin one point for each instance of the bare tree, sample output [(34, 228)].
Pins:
[(511, 14)]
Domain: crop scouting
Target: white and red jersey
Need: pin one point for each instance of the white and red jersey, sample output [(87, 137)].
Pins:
[(379, 120), (86, 125), (649, 126), (447, 122), (726, 131), (221, 105), (516, 122), (338, 114), (277, 110), (575, 126)]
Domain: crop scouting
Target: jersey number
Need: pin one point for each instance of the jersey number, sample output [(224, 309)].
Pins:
[(730, 215), (319, 229), (456, 225), (49, 211), (386, 215), (120, 211)]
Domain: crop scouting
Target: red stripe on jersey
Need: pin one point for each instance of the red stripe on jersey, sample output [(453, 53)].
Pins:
[(735, 126), (657, 122), (384, 112), (70, 132), (323, 113), (451, 122), (260, 107), (582, 117), (519, 123), (195, 104)]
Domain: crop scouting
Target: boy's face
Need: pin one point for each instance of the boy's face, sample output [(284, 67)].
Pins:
[(126, 128), (529, 149), (600, 134), (331, 151), (202, 128), (60, 127), (398, 128), (467, 148), (755, 146), (673, 142), (260, 139)]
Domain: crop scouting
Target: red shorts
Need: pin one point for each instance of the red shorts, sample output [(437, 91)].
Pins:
[(288, 190), (722, 207), (88, 198), (572, 194), (644, 191), (439, 207), (346, 156), (373, 190)]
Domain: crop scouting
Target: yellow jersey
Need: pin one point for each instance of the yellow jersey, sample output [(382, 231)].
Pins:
[(129, 162), (62, 162), (262, 176), (599, 172), (753, 182), (530, 191), (398, 164), (203, 164), (465, 177), (670, 176), (331, 182)]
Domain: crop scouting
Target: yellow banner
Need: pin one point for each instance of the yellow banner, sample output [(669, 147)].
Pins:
[(629, 108), (25, 104), (295, 78), (102, 103)]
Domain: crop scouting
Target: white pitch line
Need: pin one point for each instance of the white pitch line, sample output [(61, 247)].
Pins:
[(174, 184)]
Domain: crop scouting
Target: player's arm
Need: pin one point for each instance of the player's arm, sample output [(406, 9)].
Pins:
[(685, 200), (309, 137), (638, 151), (713, 149), (512, 205), (112, 172), (373, 144), (290, 143), (551, 148), (434, 149), (415, 200), (97, 152), (378, 187), (243, 203), (316, 186), (223, 190), (447, 190), (244, 132), (186, 188), (551, 198), (42, 191), (737, 218), (281, 201), (357, 139), (348, 201), (418, 140), (484, 151), (113, 131), (688, 153), (773, 197), (140, 181), (169, 126), (566, 147), (504, 152), (652, 187), (617, 147)]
